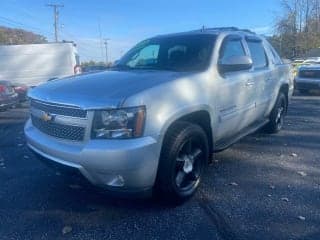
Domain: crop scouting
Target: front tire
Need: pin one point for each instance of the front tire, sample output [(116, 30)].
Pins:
[(183, 158), (277, 114)]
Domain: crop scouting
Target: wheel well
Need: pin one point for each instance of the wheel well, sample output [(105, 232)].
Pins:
[(201, 118), (285, 89)]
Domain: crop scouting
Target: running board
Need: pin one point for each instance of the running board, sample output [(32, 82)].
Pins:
[(220, 146)]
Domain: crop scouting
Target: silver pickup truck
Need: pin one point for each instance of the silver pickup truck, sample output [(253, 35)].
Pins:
[(154, 119)]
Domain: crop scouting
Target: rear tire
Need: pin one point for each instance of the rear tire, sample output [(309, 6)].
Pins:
[(277, 114), (183, 158)]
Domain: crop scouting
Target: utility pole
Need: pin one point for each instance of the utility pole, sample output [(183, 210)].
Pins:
[(106, 47), (56, 18)]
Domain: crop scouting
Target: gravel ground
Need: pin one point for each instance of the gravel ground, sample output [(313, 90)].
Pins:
[(264, 187)]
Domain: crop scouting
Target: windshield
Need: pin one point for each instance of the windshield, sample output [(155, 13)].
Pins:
[(175, 53)]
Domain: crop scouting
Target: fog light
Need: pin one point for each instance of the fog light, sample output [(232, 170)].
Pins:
[(117, 181)]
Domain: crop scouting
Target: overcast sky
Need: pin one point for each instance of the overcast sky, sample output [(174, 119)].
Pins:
[(125, 22)]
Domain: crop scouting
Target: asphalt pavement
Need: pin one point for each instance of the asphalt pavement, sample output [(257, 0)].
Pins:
[(263, 187)]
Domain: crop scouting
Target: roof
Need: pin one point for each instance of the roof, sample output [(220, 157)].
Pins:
[(213, 31)]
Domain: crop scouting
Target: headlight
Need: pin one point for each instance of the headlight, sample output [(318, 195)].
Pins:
[(118, 123)]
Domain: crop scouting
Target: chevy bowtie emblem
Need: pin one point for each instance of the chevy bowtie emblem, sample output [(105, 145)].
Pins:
[(47, 117)]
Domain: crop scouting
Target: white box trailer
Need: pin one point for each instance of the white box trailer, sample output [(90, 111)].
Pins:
[(33, 64)]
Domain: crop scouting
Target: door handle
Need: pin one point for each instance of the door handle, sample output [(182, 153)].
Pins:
[(249, 83)]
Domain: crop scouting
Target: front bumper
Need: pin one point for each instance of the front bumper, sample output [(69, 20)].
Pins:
[(307, 84), (118, 165)]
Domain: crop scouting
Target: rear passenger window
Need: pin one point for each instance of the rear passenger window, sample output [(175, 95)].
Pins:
[(258, 54), (277, 59), (231, 48)]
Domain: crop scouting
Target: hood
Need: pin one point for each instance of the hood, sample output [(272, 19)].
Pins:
[(103, 89)]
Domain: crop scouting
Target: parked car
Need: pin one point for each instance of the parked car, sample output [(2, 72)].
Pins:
[(311, 61), (153, 120), (296, 64), (308, 78), (8, 97), (21, 90)]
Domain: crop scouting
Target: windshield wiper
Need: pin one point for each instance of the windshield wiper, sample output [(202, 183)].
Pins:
[(126, 67), (121, 67), (161, 68)]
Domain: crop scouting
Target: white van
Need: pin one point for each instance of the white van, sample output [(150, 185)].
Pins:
[(32, 64)]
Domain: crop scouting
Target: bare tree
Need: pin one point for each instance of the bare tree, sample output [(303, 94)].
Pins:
[(298, 27)]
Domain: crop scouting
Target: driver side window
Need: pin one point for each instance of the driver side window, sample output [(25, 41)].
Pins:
[(146, 56), (231, 47)]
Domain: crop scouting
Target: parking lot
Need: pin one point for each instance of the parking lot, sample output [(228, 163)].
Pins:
[(264, 187)]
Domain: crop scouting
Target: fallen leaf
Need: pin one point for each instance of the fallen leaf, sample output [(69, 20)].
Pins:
[(269, 195), (301, 173), (294, 155), (66, 229), (302, 218), (285, 199), (233, 184)]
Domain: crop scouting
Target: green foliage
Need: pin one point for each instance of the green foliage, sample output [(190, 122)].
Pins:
[(18, 36)]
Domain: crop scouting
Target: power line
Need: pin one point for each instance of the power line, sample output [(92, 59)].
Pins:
[(56, 18), (83, 45), (27, 12), (15, 23)]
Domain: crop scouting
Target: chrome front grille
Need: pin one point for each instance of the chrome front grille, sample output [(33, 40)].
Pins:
[(59, 109), (60, 121), (74, 133)]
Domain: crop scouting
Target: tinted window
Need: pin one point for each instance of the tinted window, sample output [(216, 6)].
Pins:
[(258, 54), (230, 48), (176, 53)]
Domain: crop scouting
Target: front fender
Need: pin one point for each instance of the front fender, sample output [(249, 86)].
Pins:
[(176, 115)]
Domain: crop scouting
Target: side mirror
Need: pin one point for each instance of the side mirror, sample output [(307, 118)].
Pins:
[(235, 63)]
